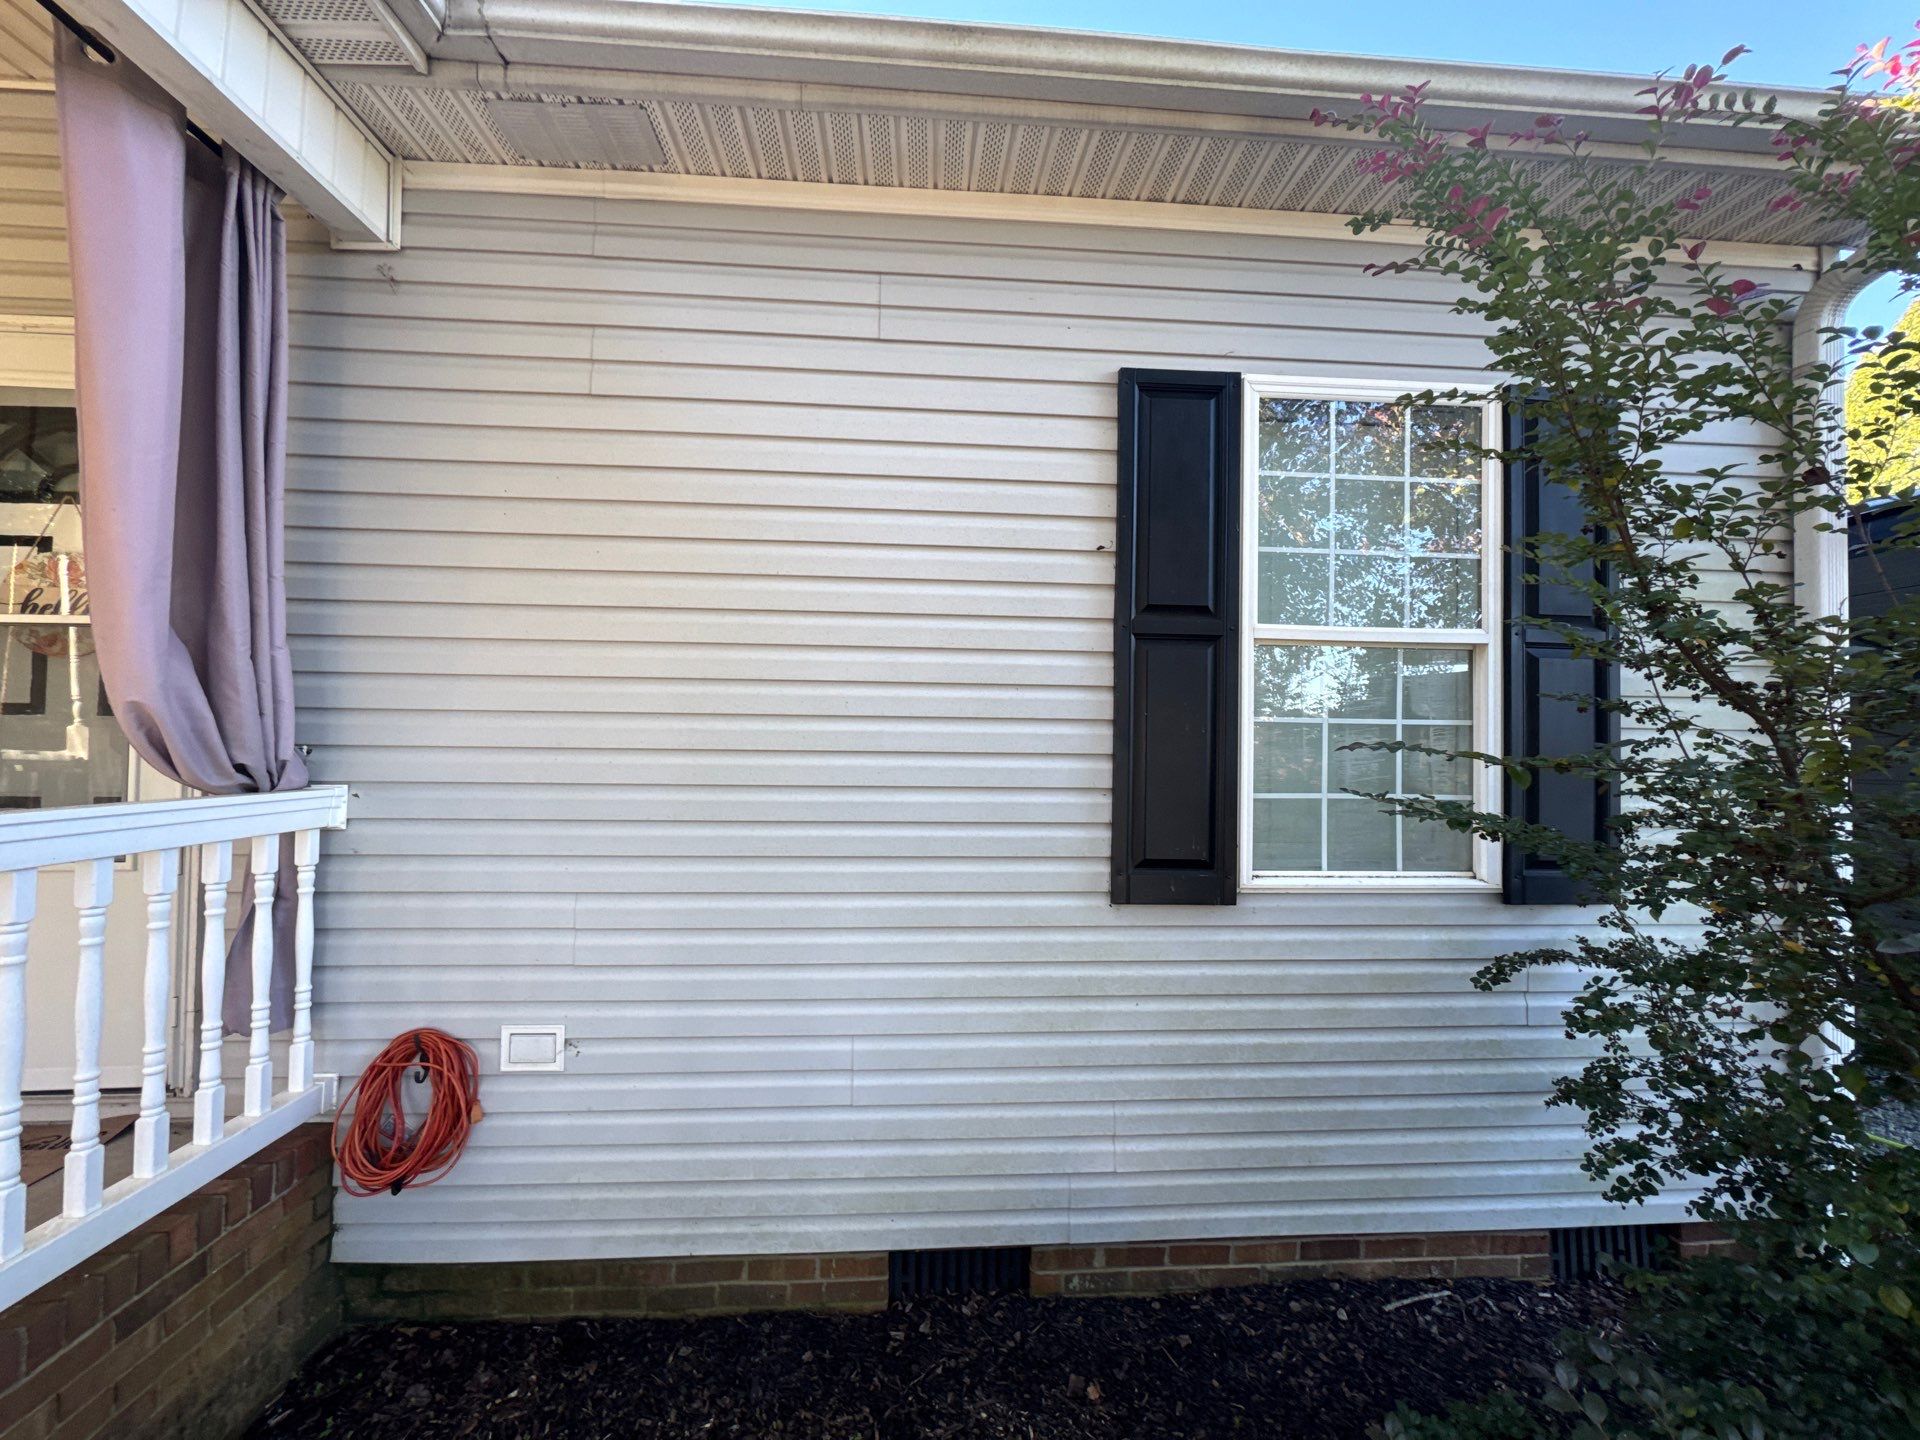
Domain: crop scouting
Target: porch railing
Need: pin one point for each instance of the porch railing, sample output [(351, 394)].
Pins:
[(91, 840)]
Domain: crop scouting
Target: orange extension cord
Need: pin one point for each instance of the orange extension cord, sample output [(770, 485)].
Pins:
[(379, 1151)]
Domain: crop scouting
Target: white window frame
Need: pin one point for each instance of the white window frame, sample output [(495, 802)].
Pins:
[(1482, 644)]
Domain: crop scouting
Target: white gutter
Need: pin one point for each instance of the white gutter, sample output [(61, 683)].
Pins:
[(1023, 62), (1820, 554), (423, 19)]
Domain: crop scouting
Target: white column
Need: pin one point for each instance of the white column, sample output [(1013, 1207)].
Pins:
[(86, 1161), (160, 878), (306, 858), (16, 917), (210, 1096), (266, 866)]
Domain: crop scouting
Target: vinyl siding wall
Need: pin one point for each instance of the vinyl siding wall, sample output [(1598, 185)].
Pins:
[(33, 221), (712, 609)]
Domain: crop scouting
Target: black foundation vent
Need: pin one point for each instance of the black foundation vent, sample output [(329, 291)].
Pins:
[(913, 1273), (1577, 1254)]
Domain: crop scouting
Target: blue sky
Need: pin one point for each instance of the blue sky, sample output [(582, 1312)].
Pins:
[(1793, 42)]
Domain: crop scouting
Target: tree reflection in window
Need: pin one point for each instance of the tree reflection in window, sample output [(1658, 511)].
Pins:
[(1368, 519)]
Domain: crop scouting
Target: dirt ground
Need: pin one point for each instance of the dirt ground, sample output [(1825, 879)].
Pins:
[(1312, 1360)]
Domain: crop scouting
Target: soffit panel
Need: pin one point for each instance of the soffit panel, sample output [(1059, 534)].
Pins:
[(919, 150)]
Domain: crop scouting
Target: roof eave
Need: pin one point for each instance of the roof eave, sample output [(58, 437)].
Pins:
[(1021, 62)]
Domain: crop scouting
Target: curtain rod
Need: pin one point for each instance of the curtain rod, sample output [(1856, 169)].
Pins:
[(99, 47)]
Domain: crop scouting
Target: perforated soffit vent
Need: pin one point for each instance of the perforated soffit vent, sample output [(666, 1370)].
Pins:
[(346, 32), (604, 134)]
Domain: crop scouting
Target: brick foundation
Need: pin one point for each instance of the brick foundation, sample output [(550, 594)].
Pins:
[(1695, 1240), (186, 1327), (1159, 1267), (554, 1289)]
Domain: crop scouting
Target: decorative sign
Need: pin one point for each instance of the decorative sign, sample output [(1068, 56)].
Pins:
[(50, 583)]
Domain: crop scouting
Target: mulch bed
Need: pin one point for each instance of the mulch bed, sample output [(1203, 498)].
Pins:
[(1311, 1360)]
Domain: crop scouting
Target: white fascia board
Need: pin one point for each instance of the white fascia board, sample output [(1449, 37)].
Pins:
[(240, 78), (1021, 62)]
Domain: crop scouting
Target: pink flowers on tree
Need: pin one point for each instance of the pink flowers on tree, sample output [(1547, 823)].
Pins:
[(1391, 166), (1479, 217), (1488, 207), (1725, 304), (1903, 65), (1676, 99)]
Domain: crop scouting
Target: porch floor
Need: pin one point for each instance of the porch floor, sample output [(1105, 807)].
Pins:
[(44, 1195)]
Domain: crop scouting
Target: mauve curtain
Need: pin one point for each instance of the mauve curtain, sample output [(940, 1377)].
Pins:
[(180, 351)]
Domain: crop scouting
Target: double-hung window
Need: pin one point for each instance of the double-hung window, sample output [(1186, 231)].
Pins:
[(1370, 605)]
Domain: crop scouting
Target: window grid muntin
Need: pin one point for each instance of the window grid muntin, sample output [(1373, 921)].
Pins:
[(1405, 477), (1485, 660), (1398, 722)]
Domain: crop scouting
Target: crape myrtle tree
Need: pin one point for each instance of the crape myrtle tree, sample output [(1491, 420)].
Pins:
[(1752, 987)]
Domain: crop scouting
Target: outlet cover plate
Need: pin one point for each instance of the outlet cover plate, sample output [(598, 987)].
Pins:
[(533, 1047)]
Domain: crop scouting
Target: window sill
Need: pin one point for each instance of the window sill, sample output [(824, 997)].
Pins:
[(1389, 884)]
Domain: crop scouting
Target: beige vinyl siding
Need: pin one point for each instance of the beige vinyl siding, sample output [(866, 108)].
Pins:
[(33, 220), (712, 609)]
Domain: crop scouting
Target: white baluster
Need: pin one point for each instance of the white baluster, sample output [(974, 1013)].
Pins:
[(86, 1162), (210, 1096), (160, 878), (16, 916), (306, 858), (266, 865)]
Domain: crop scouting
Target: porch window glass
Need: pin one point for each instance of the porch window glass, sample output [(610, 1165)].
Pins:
[(1369, 592), (59, 744)]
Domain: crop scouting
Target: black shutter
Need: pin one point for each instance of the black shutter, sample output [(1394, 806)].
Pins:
[(1176, 683), (1551, 692)]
